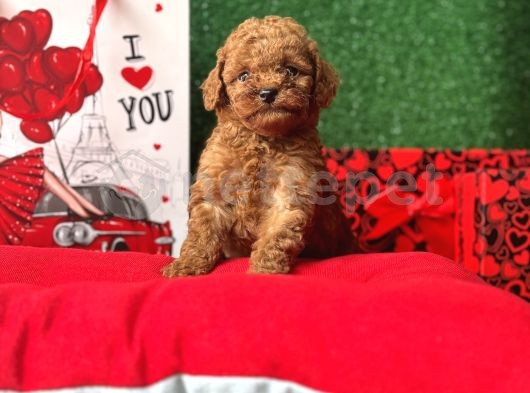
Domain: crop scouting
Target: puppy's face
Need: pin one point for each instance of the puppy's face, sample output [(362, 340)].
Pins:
[(270, 76), (269, 84)]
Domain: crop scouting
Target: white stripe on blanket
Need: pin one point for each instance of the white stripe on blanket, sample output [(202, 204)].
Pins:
[(183, 383)]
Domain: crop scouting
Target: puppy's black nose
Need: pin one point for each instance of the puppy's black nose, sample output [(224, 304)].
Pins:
[(268, 95)]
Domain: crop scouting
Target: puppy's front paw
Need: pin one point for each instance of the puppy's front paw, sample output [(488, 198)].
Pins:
[(182, 267), (269, 263)]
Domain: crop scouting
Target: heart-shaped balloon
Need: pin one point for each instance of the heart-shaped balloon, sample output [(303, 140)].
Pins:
[(42, 22), (16, 103), (62, 63), (6, 51), (18, 34), (36, 131), (46, 103), (93, 80), (76, 100), (35, 70), (12, 73), (56, 88)]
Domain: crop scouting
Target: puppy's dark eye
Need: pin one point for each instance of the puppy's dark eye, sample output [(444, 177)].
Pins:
[(292, 71), (243, 76)]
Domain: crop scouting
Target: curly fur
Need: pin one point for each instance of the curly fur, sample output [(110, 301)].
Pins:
[(261, 177)]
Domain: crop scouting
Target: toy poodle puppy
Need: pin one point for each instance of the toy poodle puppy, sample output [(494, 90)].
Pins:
[(262, 189)]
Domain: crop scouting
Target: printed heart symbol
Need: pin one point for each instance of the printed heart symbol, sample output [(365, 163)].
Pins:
[(518, 287), (513, 194), (404, 158), (36, 131), (456, 155), (496, 213), (93, 80), (524, 201), (489, 267), (524, 183), (137, 78), (332, 165), (522, 220), (46, 101), (41, 21), (165, 199), (510, 207), (385, 171), (35, 70), (480, 246), (12, 73), (509, 175), (517, 240), (157, 146), (441, 162), (17, 104), (510, 271), (335, 169), (491, 191), (18, 34), (494, 235), (358, 162), (459, 167), (476, 154), (496, 161), (522, 258), (158, 7), (62, 63), (502, 254)]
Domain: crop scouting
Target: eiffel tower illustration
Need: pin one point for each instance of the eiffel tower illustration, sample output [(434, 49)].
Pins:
[(94, 158)]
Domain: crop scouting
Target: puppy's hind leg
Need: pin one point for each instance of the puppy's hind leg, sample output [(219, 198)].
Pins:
[(208, 227)]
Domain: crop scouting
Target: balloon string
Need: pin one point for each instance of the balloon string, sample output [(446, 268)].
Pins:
[(82, 69), (62, 122)]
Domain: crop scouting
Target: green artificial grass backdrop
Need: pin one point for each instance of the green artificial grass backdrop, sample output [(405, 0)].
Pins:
[(441, 73)]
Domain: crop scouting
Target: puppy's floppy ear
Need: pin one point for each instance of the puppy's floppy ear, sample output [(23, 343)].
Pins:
[(325, 78), (213, 87)]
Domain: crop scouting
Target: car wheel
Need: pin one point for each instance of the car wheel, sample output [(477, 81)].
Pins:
[(120, 246)]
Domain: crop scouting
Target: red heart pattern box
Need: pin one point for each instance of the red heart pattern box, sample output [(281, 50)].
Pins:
[(472, 206), (493, 224)]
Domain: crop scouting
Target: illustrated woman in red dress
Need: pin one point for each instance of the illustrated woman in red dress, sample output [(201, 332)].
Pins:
[(23, 179)]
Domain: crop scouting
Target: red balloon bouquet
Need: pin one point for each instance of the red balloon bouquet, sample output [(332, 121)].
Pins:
[(35, 81)]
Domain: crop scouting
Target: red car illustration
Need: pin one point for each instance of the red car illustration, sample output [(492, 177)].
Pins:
[(125, 226)]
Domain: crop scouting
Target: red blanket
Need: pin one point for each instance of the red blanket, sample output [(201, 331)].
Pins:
[(411, 322)]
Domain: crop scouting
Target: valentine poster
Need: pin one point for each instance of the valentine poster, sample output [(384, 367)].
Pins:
[(94, 124)]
